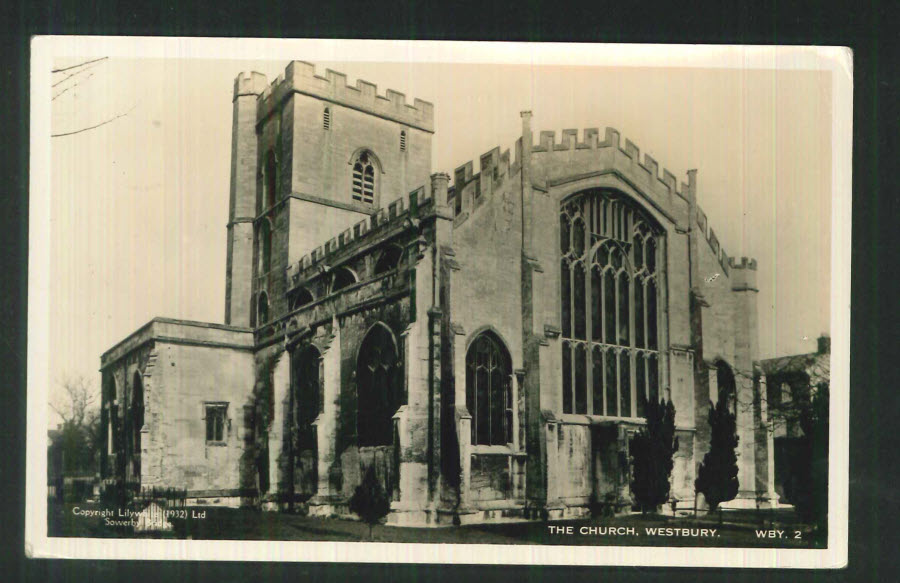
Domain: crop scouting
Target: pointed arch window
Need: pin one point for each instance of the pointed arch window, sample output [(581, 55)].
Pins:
[(364, 178), (402, 140), (306, 396), (270, 181), (727, 386), (265, 246), (379, 388), (489, 390), (262, 309), (609, 294), (326, 119)]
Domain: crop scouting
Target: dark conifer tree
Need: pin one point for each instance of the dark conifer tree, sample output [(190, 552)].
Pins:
[(717, 476), (652, 451)]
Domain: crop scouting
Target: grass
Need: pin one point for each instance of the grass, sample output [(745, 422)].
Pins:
[(738, 529)]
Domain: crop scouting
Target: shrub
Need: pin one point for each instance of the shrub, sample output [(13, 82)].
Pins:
[(369, 501)]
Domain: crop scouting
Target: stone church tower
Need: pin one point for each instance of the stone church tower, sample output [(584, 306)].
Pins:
[(485, 348)]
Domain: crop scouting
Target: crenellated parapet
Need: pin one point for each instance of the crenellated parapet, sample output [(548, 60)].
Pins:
[(743, 275), (249, 83), (415, 204), (590, 140), (470, 189), (301, 77)]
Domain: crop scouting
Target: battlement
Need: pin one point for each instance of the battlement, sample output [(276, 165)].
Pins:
[(743, 278), (745, 263), (470, 188), (301, 77), (249, 83), (590, 140), (398, 211)]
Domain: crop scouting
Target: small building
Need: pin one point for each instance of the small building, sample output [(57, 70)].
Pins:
[(791, 383), (484, 345)]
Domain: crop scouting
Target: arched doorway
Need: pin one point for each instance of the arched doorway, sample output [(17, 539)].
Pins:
[(379, 395)]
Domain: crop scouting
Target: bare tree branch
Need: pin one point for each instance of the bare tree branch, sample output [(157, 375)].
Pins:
[(78, 65), (110, 120), (71, 86)]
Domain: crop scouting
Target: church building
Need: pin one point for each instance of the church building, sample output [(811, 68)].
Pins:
[(485, 345)]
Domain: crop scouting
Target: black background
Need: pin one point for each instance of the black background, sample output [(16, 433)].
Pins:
[(869, 28)]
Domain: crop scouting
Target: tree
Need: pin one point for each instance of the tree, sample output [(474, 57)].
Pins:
[(652, 451), (809, 487), (717, 476), (80, 433), (369, 501)]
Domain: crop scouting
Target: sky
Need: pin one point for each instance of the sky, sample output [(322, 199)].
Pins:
[(138, 206)]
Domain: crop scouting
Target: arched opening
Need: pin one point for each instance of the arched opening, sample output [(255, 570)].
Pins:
[(379, 389), (341, 278), (609, 294), (265, 246), (389, 259), (300, 298), (270, 176), (326, 119), (489, 390), (136, 423), (262, 309), (363, 183), (306, 405), (727, 385)]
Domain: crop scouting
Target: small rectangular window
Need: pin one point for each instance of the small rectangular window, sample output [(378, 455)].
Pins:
[(216, 415)]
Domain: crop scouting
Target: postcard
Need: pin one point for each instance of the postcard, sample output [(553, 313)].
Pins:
[(380, 301)]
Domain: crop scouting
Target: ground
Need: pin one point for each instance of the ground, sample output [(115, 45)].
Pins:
[(737, 529)]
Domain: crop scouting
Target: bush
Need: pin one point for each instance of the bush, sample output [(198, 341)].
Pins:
[(369, 501), (652, 450), (717, 476)]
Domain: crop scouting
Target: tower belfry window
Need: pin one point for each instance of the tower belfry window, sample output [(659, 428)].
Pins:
[(364, 179), (402, 140), (326, 119)]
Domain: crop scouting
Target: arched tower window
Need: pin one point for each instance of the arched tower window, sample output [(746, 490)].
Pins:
[(609, 294), (270, 177), (341, 278), (265, 246), (306, 395), (137, 422), (379, 389), (402, 140), (389, 259), (326, 119), (262, 309), (364, 178), (489, 390), (727, 386)]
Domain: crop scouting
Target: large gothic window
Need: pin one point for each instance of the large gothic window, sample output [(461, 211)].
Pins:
[(379, 387), (609, 292), (364, 178), (488, 390)]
